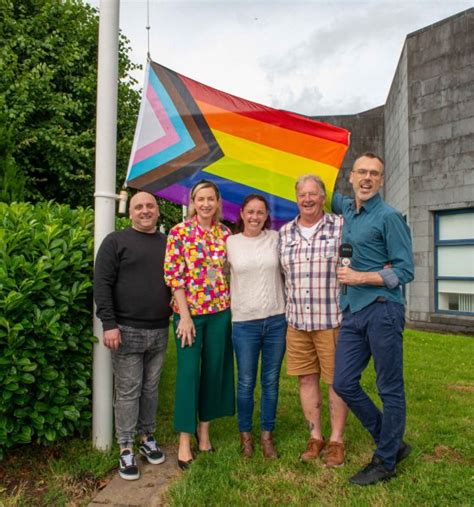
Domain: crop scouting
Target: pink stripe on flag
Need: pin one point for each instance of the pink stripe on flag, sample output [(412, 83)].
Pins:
[(171, 136)]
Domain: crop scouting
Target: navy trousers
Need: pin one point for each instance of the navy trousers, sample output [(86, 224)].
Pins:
[(377, 331)]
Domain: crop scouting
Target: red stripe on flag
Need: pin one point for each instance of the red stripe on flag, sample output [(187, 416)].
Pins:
[(285, 119)]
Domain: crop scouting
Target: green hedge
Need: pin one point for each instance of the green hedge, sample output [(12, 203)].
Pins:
[(45, 322)]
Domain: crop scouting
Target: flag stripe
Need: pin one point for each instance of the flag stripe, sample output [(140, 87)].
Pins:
[(272, 160), (304, 145), (260, 179), (253, 176), (185, 140), (182, 166), (205, 152), (169, 138), (284, 119), (230, 191)]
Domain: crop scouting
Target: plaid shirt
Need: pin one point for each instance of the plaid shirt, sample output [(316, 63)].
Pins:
[(309, 266)]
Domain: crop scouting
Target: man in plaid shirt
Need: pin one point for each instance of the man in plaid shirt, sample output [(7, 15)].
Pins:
[(309, 247)]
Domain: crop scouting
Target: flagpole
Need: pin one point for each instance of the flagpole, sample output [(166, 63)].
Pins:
[(104, 204)]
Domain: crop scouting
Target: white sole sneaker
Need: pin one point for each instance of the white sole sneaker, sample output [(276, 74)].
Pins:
[(129, 477), (152, 461)]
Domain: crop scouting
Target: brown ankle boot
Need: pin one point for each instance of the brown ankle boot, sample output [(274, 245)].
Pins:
[(268, 446), (246, 444)]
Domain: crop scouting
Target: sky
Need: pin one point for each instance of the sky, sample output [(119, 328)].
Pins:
[(312, 57)]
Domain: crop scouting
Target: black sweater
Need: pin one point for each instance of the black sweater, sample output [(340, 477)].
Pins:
[(129, 286)]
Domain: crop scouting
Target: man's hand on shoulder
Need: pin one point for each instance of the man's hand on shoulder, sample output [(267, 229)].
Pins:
[(112, 338)]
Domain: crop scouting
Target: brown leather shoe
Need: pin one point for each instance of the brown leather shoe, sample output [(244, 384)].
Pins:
[(246, 444), (334, 454), (313, 449), (268, 446)]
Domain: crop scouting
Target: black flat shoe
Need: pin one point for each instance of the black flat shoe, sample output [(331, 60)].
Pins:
[(184, 465), (211, 449)]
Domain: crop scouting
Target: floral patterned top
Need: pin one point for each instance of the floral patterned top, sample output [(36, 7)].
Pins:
[(194, 261)]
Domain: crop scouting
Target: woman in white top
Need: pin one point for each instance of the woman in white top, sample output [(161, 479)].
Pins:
[(258, 319)]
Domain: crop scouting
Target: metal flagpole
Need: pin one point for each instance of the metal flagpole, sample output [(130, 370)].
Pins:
[(105, 197)]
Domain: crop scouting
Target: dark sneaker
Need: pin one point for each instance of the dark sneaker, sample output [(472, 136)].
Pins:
[(372, 473), (151, 451), (128, 469), (403, 452)]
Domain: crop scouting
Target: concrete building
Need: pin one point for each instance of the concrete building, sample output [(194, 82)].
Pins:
[(425, 132)]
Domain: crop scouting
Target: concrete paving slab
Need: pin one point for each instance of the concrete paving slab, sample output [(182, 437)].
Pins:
[(147, 491)]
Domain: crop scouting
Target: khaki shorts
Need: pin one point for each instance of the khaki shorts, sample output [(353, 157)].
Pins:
[(309, 352)]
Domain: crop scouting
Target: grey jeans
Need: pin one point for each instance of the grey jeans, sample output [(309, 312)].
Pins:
[(137, 368)]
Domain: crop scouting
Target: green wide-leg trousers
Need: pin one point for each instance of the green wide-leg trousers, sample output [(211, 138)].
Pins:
[(205, 373)]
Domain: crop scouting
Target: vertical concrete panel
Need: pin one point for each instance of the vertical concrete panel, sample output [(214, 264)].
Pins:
[(439, 85), (397, 140)]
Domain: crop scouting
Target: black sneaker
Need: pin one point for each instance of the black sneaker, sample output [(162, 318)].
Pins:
[(403, 452), (372, 473), (128, 469), (151, 451)]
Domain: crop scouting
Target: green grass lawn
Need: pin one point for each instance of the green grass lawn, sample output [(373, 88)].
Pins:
[(440, 471)]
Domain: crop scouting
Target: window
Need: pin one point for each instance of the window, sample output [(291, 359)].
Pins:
[(454, 261)]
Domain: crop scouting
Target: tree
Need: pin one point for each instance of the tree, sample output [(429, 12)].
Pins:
[(48, 76)]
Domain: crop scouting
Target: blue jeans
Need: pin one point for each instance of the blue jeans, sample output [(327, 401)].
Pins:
[(377, 331), (137, 368), (249, 339)]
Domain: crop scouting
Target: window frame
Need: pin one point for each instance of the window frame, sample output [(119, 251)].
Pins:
[(449, 242)]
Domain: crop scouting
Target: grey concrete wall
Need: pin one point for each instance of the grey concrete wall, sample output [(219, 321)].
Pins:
[(367, 134), (397, 140), (440, 79), (396, 182)]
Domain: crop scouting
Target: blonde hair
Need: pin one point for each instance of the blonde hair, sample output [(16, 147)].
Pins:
[(200, 185)]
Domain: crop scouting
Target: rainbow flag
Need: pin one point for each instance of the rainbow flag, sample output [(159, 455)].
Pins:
[(188, 131)]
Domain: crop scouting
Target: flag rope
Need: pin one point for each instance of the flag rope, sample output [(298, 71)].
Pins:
[(148, 29)]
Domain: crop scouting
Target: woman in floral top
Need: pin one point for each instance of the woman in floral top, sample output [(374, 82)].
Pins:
[(194, 269)]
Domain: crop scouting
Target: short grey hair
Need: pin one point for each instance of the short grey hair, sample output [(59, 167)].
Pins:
[(310, 177)]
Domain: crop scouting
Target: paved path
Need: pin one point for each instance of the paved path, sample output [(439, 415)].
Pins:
[(147, 491)]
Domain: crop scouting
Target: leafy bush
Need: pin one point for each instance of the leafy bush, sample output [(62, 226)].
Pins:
[(48, 88), (45, 321)]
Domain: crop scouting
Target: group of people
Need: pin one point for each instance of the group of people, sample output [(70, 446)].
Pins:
[(284, 294)]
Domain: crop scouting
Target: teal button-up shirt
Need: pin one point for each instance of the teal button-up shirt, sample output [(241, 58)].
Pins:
[(379, 236)]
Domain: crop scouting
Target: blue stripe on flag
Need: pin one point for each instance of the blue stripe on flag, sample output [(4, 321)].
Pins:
[(184, 144), (280, 209)]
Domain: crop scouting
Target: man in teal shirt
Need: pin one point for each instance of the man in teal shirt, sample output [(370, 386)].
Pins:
[(374, 314)]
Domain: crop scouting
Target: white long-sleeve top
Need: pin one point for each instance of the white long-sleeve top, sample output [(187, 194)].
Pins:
[(256, 283)]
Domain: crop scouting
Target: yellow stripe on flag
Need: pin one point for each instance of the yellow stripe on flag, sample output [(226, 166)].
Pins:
[(272, 160), (259, 178)]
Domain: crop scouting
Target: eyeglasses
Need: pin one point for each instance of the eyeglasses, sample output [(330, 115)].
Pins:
[(313, 195), (364, 172)]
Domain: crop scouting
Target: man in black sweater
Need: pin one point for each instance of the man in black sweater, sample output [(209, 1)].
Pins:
[(133, 304)]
